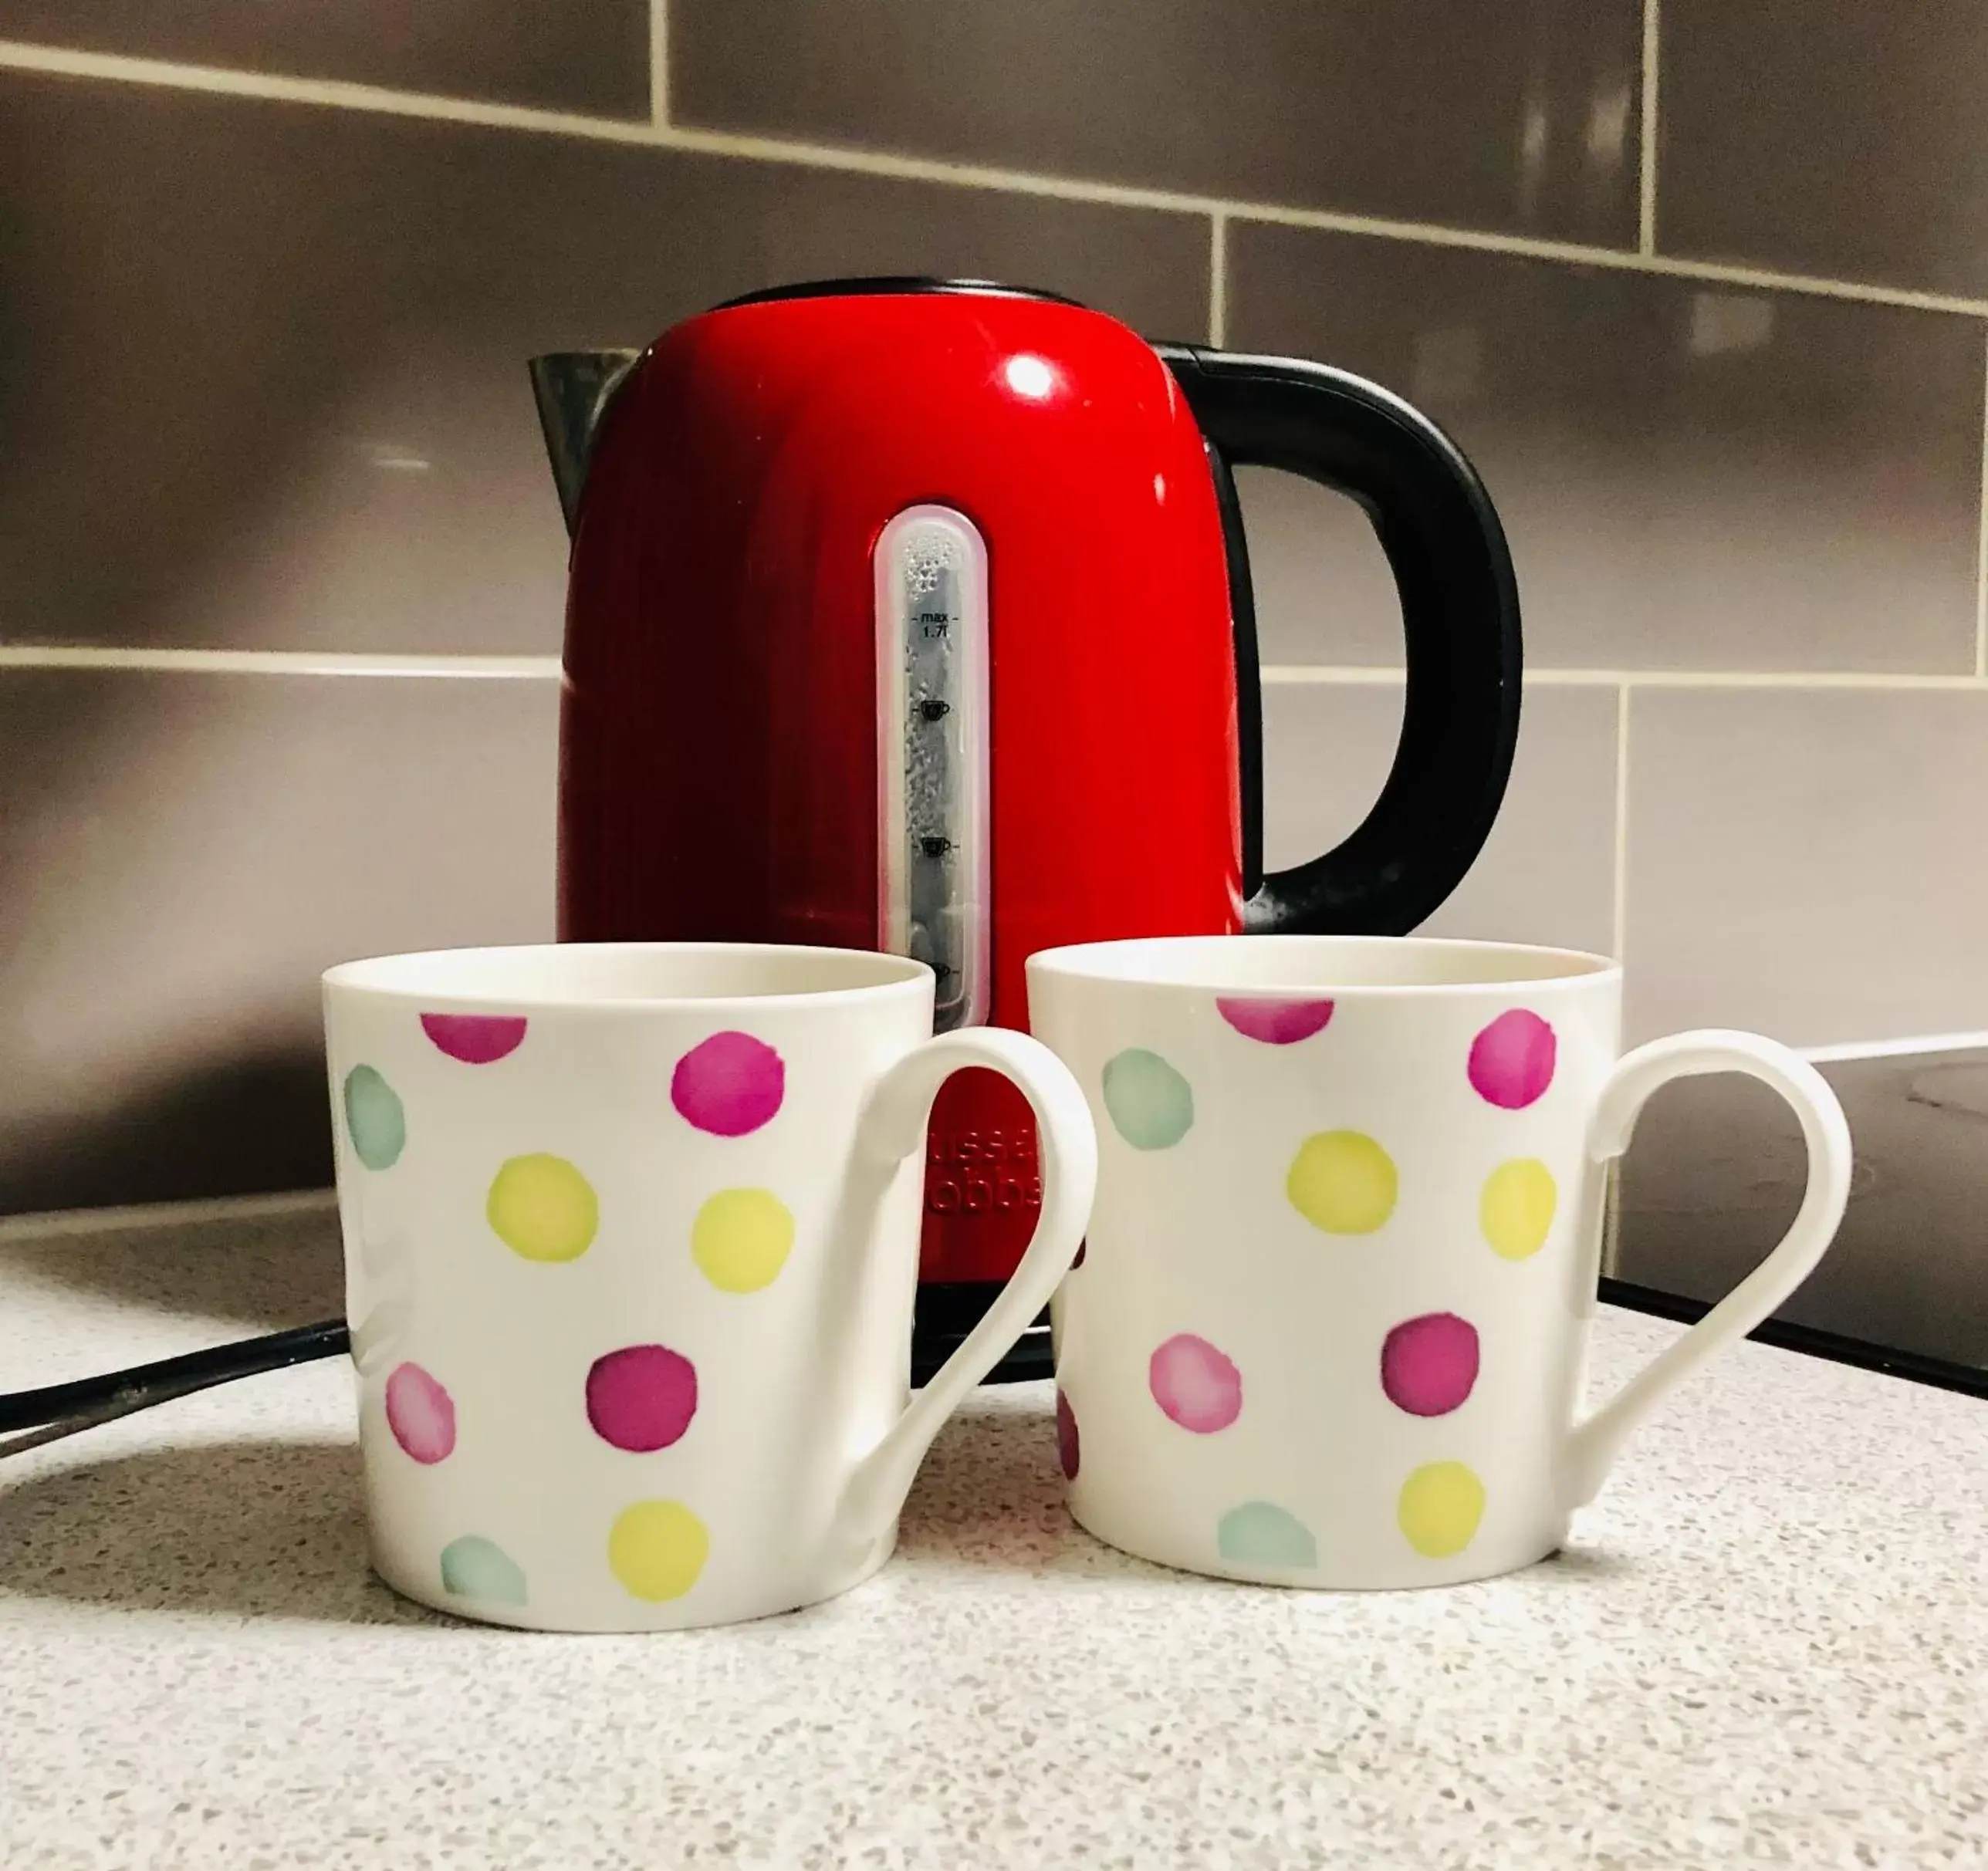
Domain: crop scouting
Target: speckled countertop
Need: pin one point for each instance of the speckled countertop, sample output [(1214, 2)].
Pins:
[(1767, 1645)]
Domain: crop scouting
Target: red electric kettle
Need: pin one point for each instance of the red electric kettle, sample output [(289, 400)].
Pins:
[(915, 615)]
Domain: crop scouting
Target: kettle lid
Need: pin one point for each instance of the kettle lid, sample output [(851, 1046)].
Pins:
[(895, 284)]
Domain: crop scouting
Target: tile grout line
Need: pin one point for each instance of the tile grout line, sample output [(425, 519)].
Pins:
[(120, 68), (1646, 176), (659, 62), (1218, 278), (470, 665), (1611, 1225), (1907, 1047), (1620, 900), (281, 662), (1379, 674), (1612, 1232), (1981, 553)]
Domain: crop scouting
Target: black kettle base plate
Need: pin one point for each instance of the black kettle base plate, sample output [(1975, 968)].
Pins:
[(947, 1311)]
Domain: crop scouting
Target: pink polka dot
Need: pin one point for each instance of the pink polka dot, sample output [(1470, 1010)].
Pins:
[(1428, 1366), (1276, 1023), (1511, 1060), (1195, 1384), (641, 1397), (1066, 1441), (421, 1413), (730, 1085), (477, 1039)]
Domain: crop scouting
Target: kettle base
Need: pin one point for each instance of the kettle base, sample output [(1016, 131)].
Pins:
[(947, 1311)]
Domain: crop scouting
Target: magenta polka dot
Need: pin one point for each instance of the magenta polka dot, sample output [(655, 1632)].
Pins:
[(1511, 1060), (1276, 1023), (477, 1039), (730, 1085), (1067, 1452), (641, 1397), (421, 1413), (1428, 1366), (1195, 1385)]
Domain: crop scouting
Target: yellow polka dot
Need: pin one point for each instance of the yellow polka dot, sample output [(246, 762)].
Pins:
[(741, 1239), (1342, 1182), (543, 1209), (1440, 1506), (657, 1549), (1516, 1208)]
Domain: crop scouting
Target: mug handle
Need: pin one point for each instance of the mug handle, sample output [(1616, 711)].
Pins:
[(1592, 1445), (891, 1128)]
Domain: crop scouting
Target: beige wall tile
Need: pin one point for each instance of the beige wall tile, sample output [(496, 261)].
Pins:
[(1548, 872), (263, 381), (589, 56), (1808, 863), (1842, 138), (1312, 102), (1692, 477), (181, 856), (1323, 593)]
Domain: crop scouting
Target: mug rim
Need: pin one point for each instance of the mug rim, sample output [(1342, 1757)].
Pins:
[(874, 977), (1171, 962)]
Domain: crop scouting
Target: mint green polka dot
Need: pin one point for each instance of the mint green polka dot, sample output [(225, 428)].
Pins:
[(374, 1119), (473, 1567), (1259, 1534), (1151, 1104)]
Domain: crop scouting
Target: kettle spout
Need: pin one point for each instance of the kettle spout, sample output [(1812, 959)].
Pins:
[(574, 389)]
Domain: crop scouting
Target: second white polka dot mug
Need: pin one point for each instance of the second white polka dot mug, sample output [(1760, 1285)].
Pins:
[(1329, 1324), (631, 1236)]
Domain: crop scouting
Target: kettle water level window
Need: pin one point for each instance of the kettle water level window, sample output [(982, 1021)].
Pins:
[(932, 753)]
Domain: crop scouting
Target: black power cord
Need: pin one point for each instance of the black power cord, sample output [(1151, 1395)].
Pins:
[(29, 1418)]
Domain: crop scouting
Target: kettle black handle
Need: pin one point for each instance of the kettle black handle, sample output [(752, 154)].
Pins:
[(1459, 609)]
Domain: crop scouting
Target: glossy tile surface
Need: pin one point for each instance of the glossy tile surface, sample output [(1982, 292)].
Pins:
[(589, 56), (1808, 863), (181, 856), (1323, 590), (1715, 1173), (1841, 137), (1323, 103), (1690, 478), (264, 379), (1548, 872)]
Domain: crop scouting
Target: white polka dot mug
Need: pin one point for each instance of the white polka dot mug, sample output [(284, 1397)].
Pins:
[(1328, 1326), (631, 1238)]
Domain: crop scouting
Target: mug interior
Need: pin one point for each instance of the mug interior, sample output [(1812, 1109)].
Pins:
[(1317, 965), (627, 973)]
